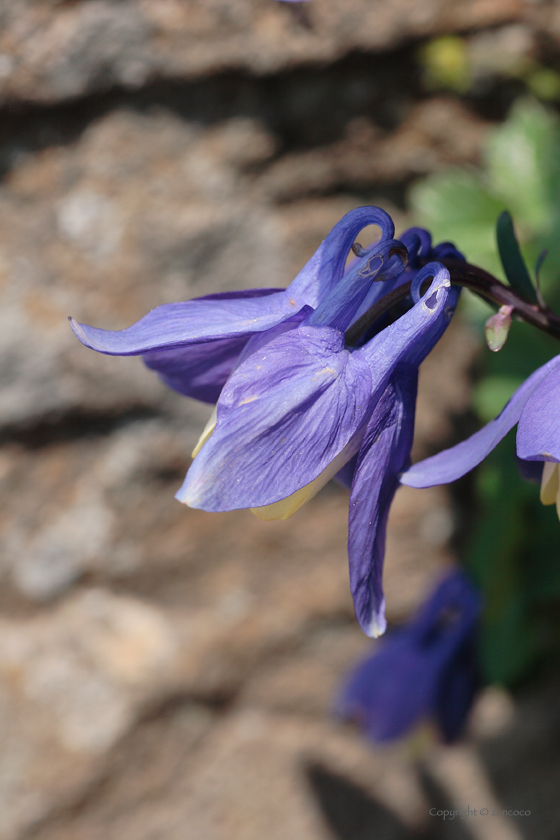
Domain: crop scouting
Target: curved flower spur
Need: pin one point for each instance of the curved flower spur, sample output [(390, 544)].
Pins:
[(296, 405)]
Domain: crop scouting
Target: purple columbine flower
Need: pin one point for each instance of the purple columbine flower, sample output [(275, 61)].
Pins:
[(295, 406), (534, 408), (300, 406), (425, 670)]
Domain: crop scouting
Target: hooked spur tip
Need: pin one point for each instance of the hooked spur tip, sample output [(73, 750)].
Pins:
[(401, 251), (359, 250), (396, 250)]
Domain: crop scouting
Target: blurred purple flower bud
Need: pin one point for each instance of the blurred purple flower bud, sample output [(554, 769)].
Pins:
[(423, 671)]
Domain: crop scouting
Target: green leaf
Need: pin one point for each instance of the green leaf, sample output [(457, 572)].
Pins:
[(512, 261), (522, 158), (455, 205)]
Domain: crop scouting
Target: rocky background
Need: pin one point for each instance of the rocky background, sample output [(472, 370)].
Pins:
[(167, 674)]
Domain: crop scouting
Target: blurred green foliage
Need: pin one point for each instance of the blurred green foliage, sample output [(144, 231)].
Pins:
[(514, 546), (521, 173), (462, 64), (446, 63)]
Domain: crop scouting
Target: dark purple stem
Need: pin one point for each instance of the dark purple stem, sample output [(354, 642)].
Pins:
[(477, 280)]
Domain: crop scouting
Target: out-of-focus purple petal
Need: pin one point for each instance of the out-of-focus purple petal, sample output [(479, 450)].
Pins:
[(384, 453), (458, 685), (460, 605), (452, 463), (286, 412), (454, 591), (412, 672), (391, 690), (538, 432)]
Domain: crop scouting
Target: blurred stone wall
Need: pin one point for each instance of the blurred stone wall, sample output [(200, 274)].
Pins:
[(166, 673)]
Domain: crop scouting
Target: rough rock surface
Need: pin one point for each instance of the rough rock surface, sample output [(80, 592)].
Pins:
[(167, 673), (54, 50), (86, 229)]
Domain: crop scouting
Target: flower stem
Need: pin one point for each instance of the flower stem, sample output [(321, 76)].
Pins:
[(475, 279)]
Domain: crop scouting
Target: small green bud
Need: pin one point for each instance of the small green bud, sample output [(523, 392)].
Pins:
[(497, 327)]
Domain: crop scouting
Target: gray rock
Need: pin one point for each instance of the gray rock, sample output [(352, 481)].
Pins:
[(144, 211)]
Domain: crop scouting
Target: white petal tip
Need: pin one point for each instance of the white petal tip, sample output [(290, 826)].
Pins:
[(183, 496), (377, 628)]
